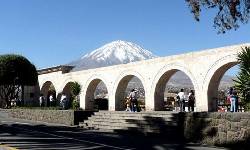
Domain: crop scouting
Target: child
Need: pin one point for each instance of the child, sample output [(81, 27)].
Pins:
[(128, 104)]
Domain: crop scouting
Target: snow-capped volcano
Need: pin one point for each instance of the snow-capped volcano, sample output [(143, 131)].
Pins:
[(116, 52)]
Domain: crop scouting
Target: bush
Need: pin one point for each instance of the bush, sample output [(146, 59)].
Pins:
[(75, 104)]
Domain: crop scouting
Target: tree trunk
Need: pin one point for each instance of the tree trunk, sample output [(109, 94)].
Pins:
[(8, 102), (22, 95)]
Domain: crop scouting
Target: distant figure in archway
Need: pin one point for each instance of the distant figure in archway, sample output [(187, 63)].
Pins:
[(51, 100), (128, 104), (191, 100), (229, 94), (182, 100), (133, 99), (234, 102), (230, 91), (63, 101), (41, 100)]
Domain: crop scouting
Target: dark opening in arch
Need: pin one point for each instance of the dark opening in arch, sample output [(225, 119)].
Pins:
[(124, 87), (168, 86), (219, 85), (96, 96)]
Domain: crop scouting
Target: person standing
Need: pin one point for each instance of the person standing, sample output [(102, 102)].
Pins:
[(51, 100), (191, 100), (63, 101), (128, 104), (234, 102), (41, 100), (133, 99), (181, 100)]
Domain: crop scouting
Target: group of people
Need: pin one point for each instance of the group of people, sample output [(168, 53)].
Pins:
[(52, 102), (181, 100), (132, 102), (231, 97)]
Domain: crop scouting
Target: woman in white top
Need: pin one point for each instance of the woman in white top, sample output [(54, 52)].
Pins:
[(181, 100)]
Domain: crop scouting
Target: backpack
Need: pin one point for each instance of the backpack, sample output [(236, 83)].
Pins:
[(191, 97), (178, 97)]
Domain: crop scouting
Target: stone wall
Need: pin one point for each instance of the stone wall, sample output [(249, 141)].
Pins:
[(222, 129), (65, 117)]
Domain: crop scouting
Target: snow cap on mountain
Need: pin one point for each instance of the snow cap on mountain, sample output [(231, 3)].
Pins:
[(116, 52), (124, 51)]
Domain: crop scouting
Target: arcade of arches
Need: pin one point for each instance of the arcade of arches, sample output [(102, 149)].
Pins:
[(204, 69)]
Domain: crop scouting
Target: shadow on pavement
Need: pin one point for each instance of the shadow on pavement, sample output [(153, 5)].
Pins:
[(23, 136)]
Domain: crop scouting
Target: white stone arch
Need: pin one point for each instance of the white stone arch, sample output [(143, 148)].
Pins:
[(44, 89), (63, 88), (43, 83), (65, 82), (160, 80), (212, 79), (118, 89), (87, 96)]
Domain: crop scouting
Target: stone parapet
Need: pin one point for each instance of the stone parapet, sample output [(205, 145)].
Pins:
[(64, 117), (217, 128)]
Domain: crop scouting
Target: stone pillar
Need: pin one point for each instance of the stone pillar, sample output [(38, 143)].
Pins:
[(201, 101), (82, 100), (149, 102), (111, 102)]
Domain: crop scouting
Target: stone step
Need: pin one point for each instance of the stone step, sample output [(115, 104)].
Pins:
[(135, 114), (106, 125), (133, 117), (115, 116), (129, 118), (130, 126), (168, 124), (142, 112), (138, 122)]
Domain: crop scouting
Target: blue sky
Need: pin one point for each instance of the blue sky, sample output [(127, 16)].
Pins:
[(54, 32)]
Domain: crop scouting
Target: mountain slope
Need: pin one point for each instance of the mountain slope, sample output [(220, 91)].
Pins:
[(116, 52)]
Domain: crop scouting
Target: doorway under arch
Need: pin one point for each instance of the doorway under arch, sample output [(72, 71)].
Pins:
[(213, 92), (167, 88), (48, 89), (96, 97), (126, 84)]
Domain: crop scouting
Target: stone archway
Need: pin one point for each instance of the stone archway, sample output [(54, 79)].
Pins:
[(160, 98), (212, 79), (91, 100), (162, 78), (48, 89), (122, 91), (212, 91), (67, 90)]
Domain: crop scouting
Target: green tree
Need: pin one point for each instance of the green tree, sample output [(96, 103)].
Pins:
[(15, 72), (230, 13), (76, 89), (242, 82)]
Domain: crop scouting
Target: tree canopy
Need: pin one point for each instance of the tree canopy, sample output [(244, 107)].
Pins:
[(76, 88), (230, 13), (17, 68)]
